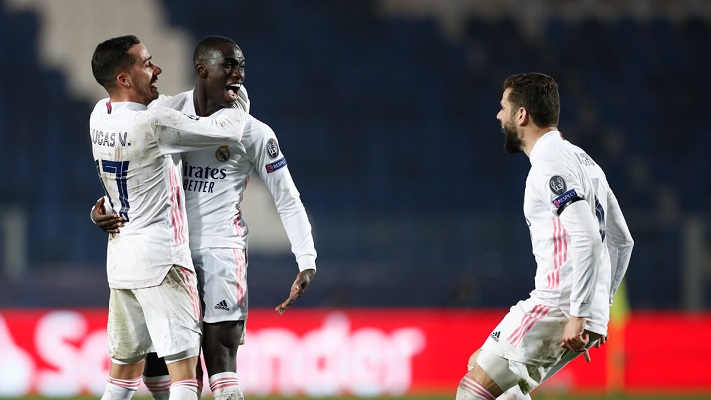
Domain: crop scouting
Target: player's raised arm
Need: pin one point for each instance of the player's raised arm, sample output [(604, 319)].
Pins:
[(178, 132)]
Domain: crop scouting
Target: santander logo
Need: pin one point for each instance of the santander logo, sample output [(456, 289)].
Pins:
[(64, 353)]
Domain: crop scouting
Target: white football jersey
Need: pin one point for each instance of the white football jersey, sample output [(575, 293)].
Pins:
[(136, 152), (215, 179), (561, 174)]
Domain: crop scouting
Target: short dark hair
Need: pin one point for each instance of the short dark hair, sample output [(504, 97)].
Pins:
[(206, 46), (538, 94), (111, 57)]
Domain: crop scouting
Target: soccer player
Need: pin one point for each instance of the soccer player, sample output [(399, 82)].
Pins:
[(580, 241), (214, 181), (153, 303)]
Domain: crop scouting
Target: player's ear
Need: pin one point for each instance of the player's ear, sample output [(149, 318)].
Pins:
[(123, 80), (522, 116), (201, 70)]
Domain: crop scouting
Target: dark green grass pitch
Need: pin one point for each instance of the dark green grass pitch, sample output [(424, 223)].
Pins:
[(539, 396)]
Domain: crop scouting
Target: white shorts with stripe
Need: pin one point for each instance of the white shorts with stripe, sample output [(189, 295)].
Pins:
[(529, 337), (222, 282), (163, 318)]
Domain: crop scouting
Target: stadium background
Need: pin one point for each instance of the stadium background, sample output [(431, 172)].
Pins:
[(385, 110)]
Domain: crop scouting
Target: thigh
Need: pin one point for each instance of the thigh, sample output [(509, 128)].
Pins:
[(223, 283), (172, 311), (529, 337), (129, 338), (219, 345)]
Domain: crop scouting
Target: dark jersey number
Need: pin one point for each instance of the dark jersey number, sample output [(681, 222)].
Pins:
[(120, 169)]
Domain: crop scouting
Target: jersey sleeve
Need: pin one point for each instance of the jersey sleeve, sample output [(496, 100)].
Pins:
[(563, 190), (619, 242), (177, 132), (558, 187), (585, 256), (270, 164)]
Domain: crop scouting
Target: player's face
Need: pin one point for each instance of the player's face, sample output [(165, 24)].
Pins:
[(143, 75), (225, 74), (506, 116)]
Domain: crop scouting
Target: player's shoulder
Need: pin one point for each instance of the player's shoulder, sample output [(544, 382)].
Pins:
[(101, 105), (256, 134), (258, 128), (159, 115)]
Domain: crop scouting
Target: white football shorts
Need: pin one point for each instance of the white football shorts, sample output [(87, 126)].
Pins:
[(222, 283), (529, 337), (163, 318)]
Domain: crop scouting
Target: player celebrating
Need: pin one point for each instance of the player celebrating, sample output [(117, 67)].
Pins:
[(580, 241), (214, 181), (153, 297)]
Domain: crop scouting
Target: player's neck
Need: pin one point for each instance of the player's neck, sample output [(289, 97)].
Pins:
[(532, 136), (203, 106), (127, 96)]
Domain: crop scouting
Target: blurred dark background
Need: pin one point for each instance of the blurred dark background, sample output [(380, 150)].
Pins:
[(386, 113)]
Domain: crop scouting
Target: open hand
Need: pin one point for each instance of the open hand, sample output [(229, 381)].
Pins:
[(302, 281)]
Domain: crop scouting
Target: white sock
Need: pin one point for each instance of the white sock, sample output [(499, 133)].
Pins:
[(187, 389), (225, 386), (159, 386), (120, 389), (470, 389)]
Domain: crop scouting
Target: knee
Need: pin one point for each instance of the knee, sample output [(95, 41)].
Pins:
[(472, 359)]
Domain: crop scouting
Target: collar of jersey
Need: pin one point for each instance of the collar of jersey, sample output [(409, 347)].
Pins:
[(550, 136), (127, 105)]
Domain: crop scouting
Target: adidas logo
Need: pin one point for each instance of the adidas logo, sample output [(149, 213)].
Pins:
[(495, 336), (222, 306)]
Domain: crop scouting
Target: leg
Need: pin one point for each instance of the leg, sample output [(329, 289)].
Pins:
[(220, 343), (184, 384), (222, 277), (128, 342), (156, 377), (477, 384), (514, 393), (172, 315), (530, 329), (183, 369), (123, 381)]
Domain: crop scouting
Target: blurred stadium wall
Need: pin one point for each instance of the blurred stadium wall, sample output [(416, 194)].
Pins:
[(386, 113)]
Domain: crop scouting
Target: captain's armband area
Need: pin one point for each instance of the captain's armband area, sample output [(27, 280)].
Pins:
[(564, 200)]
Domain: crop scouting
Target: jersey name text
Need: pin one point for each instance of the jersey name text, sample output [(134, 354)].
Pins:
[(102, 138)]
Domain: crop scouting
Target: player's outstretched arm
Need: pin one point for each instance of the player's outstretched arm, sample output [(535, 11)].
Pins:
[(302, 281), (109, 223)]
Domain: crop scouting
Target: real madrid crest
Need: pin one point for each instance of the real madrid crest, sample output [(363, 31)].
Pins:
[(222, 153), (272, 148)]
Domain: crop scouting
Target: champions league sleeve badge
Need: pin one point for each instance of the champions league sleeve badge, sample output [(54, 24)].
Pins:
[(557, 185), (222, 153), (563, 197), (272, 148)]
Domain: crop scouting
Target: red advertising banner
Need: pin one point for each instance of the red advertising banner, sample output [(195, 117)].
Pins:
[(361, 352)]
